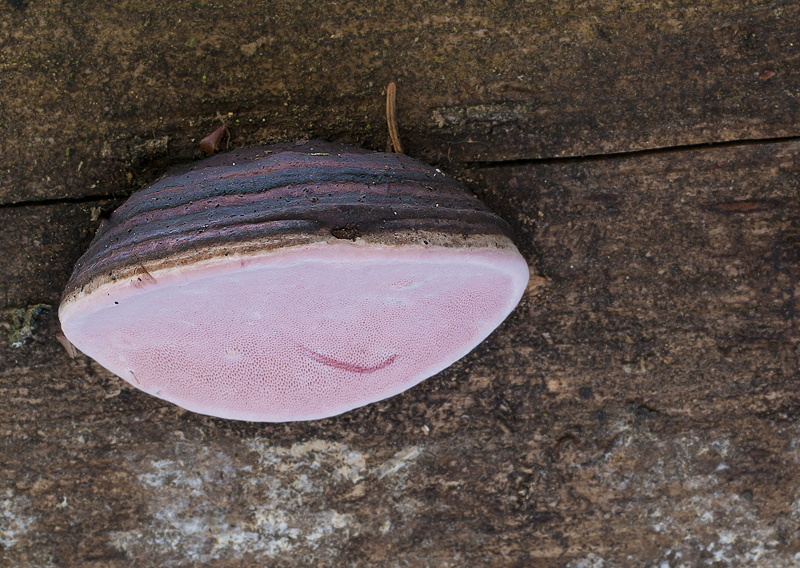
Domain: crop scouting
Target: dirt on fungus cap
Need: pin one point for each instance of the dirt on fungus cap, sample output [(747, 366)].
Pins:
[(292, 282)]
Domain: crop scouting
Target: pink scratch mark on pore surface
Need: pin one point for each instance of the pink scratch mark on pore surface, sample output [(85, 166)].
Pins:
[(336, 364)]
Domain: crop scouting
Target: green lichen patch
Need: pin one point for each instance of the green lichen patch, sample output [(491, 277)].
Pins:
[(23, 322)]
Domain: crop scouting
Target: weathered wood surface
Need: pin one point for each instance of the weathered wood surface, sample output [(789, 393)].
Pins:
[(640, 407), (99, 97)]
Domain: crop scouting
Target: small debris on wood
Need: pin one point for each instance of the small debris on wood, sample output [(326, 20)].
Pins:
[(213, 141)]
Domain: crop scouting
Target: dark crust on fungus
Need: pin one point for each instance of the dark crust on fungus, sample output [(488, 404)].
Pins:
[(255, 200)]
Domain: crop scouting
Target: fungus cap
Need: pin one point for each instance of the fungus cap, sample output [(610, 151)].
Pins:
[(292, 282)]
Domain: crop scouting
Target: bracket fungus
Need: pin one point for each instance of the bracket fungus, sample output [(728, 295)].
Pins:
[(292, 282)]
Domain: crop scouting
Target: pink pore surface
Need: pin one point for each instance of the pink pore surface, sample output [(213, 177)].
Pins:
[(298, 334)]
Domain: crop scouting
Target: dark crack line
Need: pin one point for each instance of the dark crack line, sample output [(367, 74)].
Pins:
[(484, 164), (61, 201), (479, 164)]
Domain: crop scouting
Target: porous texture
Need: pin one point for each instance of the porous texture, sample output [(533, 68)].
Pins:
[(300, 334), (292, 282)]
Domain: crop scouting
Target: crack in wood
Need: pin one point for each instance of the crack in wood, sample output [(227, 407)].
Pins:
[(479, 164), (62, 201), (631, 153)]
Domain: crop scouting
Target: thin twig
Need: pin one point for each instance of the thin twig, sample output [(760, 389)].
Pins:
[(391, 117)]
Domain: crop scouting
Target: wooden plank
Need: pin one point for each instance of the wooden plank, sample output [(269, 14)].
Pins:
[(100, 98), (639, 407)]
